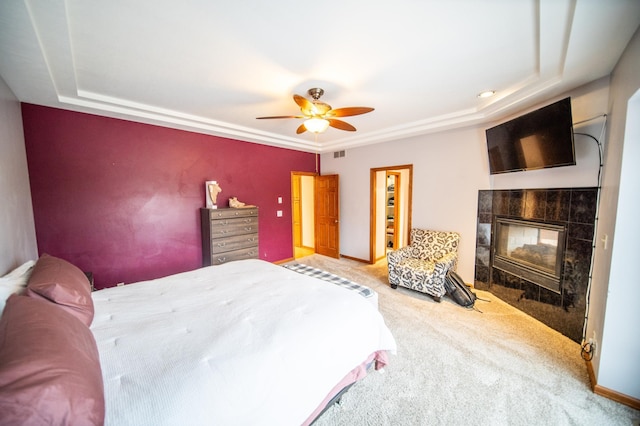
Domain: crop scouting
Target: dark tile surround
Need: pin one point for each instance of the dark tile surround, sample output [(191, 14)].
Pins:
[(573, 207)]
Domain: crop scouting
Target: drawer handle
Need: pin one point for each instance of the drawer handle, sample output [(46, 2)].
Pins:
[(248, 228), (251, 239), (221, 259), (224, 231), (222, 244)]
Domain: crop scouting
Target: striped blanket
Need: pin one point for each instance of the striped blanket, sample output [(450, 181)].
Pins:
[(332, 278)]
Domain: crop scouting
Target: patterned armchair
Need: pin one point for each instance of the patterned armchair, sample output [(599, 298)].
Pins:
[(423, 264)]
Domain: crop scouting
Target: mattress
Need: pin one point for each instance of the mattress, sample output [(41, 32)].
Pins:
[(242, 343)]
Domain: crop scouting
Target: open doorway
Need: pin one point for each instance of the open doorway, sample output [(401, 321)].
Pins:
[(391, 192), (303, 213), (392, 202)]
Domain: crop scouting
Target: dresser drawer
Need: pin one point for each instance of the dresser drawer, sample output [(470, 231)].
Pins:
[(231, 213), (247, 253), (236, 242), (235, 226)]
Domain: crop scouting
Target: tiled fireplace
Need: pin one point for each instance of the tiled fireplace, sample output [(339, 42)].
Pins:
[(533, 250)]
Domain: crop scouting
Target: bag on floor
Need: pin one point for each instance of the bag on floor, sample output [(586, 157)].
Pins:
[(458, 290)]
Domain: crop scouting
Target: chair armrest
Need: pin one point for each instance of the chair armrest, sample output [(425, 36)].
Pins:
[(393, 257), (446, 262)]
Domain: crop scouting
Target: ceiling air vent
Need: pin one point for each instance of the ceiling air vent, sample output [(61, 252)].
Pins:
[(338, 154)]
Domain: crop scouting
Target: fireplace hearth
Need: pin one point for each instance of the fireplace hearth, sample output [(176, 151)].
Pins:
[(534, 250)]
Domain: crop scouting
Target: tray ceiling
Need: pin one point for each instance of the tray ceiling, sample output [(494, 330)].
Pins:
[(214, 66)]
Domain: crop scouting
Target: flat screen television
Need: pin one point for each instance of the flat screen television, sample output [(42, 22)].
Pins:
[(537, 140)]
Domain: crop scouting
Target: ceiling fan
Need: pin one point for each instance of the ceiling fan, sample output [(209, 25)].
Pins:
[(319, 115)]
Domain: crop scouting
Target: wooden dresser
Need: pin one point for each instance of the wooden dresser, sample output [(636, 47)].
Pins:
[(229, 234)]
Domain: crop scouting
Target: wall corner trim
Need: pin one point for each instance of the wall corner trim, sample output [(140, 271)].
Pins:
[(609, 393)]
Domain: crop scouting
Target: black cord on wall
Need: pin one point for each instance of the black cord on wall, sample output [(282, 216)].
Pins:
[(586, 348)]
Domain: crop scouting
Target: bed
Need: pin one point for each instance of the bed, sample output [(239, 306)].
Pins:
[(243, 343)]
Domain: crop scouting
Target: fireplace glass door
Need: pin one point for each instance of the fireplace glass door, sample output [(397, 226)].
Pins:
[(530, 250)]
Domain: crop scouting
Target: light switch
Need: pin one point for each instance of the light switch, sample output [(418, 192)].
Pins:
[(279, 213), (279, 200)]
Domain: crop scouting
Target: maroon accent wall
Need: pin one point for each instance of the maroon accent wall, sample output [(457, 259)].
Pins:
[(121, 199)]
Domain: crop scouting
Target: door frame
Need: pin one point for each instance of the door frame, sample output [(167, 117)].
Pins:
[(293, 241), (407, 203)]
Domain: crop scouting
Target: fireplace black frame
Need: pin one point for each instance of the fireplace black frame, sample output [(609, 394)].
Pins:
[(525, 270)]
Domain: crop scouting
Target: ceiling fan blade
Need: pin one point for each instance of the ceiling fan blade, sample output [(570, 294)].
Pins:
[(342, 125), (301, 129), (280, 116), (349, 111), (304, 104)]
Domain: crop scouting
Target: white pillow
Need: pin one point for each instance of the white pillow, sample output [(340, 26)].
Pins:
[(15, 281)]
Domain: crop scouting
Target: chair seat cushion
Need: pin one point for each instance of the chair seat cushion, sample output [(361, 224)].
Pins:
[(417, 266), (419, 275)]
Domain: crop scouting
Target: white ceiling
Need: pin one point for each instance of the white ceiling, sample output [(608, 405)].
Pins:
[(213, 66)]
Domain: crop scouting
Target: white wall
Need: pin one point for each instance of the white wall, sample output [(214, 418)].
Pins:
[(17, 229), (442, 197), (448, 170), (613, 315)]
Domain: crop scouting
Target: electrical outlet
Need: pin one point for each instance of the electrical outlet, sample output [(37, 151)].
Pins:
[(119, 284), (593, 344)]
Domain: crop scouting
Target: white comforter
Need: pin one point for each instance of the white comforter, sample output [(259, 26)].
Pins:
[(244, 343)]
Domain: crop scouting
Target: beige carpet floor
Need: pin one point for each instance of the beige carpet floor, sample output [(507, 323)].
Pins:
[(461, 367)]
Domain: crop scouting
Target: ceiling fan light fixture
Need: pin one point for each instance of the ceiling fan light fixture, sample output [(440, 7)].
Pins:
[(316, 125)]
